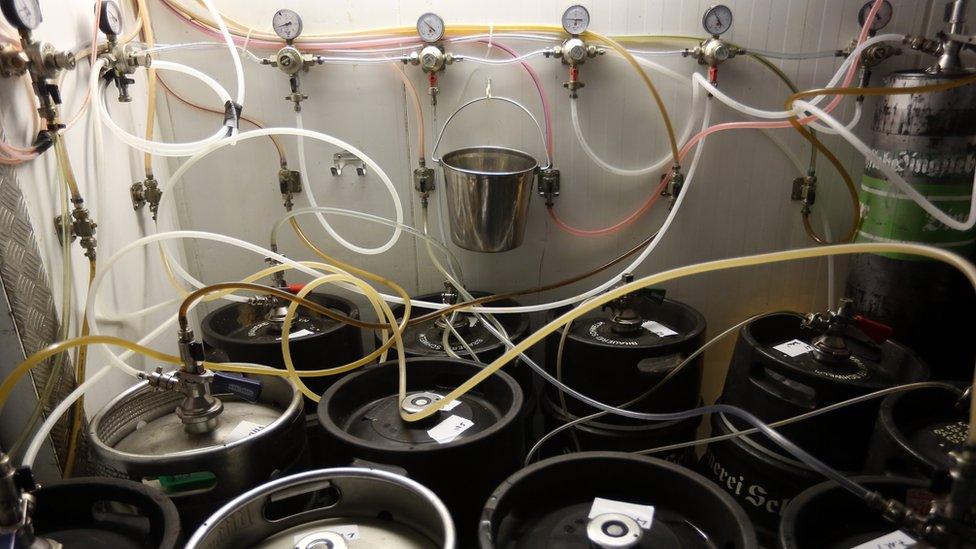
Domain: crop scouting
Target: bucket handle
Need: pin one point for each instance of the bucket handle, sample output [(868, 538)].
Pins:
[(433, 153)]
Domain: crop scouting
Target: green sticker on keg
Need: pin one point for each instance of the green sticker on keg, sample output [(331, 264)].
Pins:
[(185, 482), (889, 215)]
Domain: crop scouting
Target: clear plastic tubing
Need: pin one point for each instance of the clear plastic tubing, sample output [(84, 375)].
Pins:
[(154, 147), (367, 217), (893, 175), (759, 113), (798, 56), (964, 266), (785, 124), (310, 194), (177, 178), (650, 201), (229, 40), (665, 160), (487, 61), (161, 237)]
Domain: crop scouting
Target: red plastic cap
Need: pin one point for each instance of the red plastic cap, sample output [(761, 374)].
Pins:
[(877, 331), (295, 288)]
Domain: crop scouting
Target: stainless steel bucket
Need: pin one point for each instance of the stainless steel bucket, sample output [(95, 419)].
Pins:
[(488, 190)]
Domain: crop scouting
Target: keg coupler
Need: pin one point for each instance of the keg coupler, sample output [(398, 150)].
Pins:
[(837, 326), (200, 409), (460, 321), (630, 311), (17, 504)]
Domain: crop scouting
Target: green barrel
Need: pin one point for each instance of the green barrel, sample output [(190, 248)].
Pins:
[(930, 139)]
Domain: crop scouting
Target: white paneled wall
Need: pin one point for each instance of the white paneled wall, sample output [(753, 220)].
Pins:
[(738, 204)]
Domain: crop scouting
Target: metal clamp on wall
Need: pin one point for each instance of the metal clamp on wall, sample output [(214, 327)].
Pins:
[(345, 158)]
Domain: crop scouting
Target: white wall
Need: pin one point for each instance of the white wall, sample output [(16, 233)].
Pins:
[(739, 203)]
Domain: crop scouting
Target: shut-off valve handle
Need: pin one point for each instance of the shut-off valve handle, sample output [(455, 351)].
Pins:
[(877, 331)]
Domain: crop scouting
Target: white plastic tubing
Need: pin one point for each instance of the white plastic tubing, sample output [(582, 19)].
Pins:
[(779, 115), (665, 160), (892, 175), (176, 149), (155, 147), (313, 203), (177, 178), (700, 80)]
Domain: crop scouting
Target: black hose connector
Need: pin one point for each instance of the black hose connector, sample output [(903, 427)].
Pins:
[(232, 116)]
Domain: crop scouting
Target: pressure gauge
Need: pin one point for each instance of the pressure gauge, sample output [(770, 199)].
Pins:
[(287, 24), (23, 14), (717, 20), (430, 27), (881, 20), (110, 19), (576, 19)]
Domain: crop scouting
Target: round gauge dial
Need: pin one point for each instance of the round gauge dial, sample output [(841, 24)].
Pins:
[(576, 19), (110, 19), (881, 20), (287, 24), (717, 20), (430, 27), (23, 14)]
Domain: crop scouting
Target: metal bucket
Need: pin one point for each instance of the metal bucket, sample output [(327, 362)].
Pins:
[(488, 190)]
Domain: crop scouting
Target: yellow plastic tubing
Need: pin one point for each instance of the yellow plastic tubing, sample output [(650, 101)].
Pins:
[(11, 380), (775, 257), (967, 269)]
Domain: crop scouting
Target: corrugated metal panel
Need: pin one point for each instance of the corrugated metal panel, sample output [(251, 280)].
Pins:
[(26, 288)]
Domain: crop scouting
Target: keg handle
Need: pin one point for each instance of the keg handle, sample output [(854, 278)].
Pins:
[(489, 97)]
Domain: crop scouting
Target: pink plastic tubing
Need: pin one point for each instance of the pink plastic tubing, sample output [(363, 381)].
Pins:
[(785, 124), (650, 201)]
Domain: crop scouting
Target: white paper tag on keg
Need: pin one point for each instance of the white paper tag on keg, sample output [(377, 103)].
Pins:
[(244, 429), (894, 540), (348, 532), (451, 405), (658, 329), (299, 333), (643, 514), (794, 348), (449, 429)]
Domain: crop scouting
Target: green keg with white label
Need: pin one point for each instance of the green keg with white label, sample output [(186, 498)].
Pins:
[(930, 140)]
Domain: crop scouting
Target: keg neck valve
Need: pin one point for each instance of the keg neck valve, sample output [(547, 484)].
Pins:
[(449, 297), (629, 312), (613, 531), (837, 326)]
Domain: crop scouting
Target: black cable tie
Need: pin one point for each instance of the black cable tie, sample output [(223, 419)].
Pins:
[(232, 116), (43, 142)]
